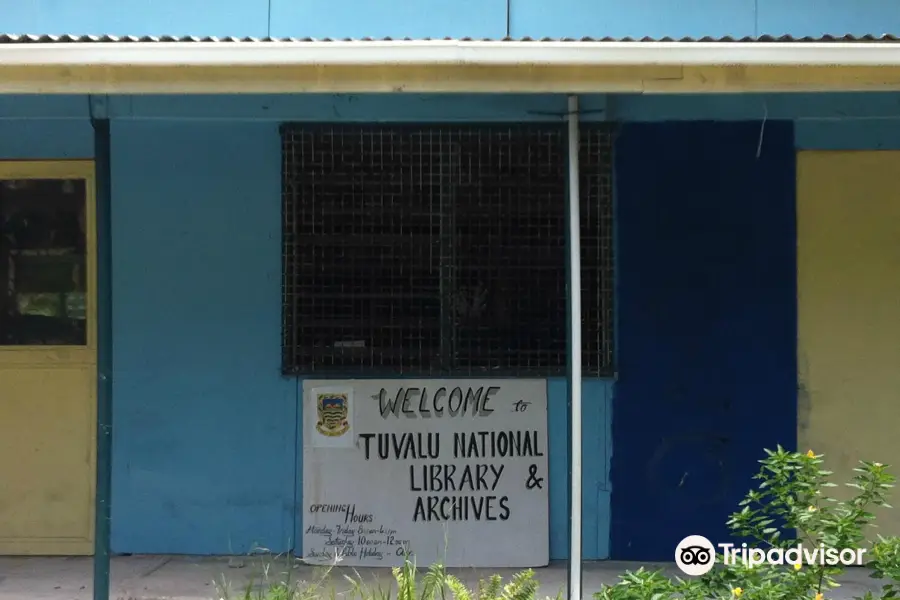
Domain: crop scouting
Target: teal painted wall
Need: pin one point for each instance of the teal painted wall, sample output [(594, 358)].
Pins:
[(204, 432), (441, 18), (42, 139)]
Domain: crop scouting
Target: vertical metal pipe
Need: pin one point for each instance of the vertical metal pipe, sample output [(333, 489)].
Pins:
[(104, 358), (574, 268)]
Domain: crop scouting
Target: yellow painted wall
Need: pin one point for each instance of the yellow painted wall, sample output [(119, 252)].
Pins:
[(848, 262)]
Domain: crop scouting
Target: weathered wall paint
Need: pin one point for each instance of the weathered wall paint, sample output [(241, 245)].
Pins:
[(469, 18), (203, 432), (865, 134), (843, 117), (841, 106), (848, 270), (40, 139), (707, 326), (596, 448)]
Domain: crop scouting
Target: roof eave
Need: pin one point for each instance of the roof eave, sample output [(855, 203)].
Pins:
[(449, 52), (447, 66)]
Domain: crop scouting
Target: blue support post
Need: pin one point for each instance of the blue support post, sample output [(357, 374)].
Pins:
[(104, 349)]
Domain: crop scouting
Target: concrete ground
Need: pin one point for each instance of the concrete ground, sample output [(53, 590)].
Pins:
[(193, 578)]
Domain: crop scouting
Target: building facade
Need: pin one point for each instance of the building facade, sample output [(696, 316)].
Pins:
[(740, 269)]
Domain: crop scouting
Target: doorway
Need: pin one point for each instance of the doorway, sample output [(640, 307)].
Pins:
[(48, 357)]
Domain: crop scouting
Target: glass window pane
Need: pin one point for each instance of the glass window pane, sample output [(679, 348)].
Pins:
[(43, 277)]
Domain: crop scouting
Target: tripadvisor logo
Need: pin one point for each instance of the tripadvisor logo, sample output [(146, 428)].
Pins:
[(695, 555)]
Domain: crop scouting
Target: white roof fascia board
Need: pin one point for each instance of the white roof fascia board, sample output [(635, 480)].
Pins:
[(449, 52)]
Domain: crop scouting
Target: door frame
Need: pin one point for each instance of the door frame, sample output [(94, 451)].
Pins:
[(23, 357)]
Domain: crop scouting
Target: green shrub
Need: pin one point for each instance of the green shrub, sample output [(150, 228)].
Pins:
[(787, 508)]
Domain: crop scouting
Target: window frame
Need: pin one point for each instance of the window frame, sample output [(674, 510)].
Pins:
[(74, 169)]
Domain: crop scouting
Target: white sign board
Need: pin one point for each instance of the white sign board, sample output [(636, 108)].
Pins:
[(447, 470)]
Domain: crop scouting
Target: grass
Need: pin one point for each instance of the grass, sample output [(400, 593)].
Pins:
[(278, 581)]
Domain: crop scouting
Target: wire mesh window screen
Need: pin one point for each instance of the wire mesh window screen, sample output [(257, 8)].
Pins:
[(597, 248), (440, 250)]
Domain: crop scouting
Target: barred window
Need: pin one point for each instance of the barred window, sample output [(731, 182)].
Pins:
[(440, 250)]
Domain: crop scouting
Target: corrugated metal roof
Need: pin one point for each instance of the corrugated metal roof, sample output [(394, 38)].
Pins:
[(73, 39)]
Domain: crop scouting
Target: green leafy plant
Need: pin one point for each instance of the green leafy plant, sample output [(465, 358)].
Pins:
[(788, 508), (436, 582), (885, 565), (277, 581), (522, 586), (432, 586), (647, 585), (409, 583)]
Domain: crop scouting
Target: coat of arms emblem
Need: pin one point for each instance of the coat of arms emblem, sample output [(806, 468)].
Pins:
[(333, 409)]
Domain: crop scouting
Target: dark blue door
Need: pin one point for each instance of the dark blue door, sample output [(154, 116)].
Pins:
[(706, 278)]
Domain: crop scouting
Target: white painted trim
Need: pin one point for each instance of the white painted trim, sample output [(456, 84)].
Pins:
[(449, 52)]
